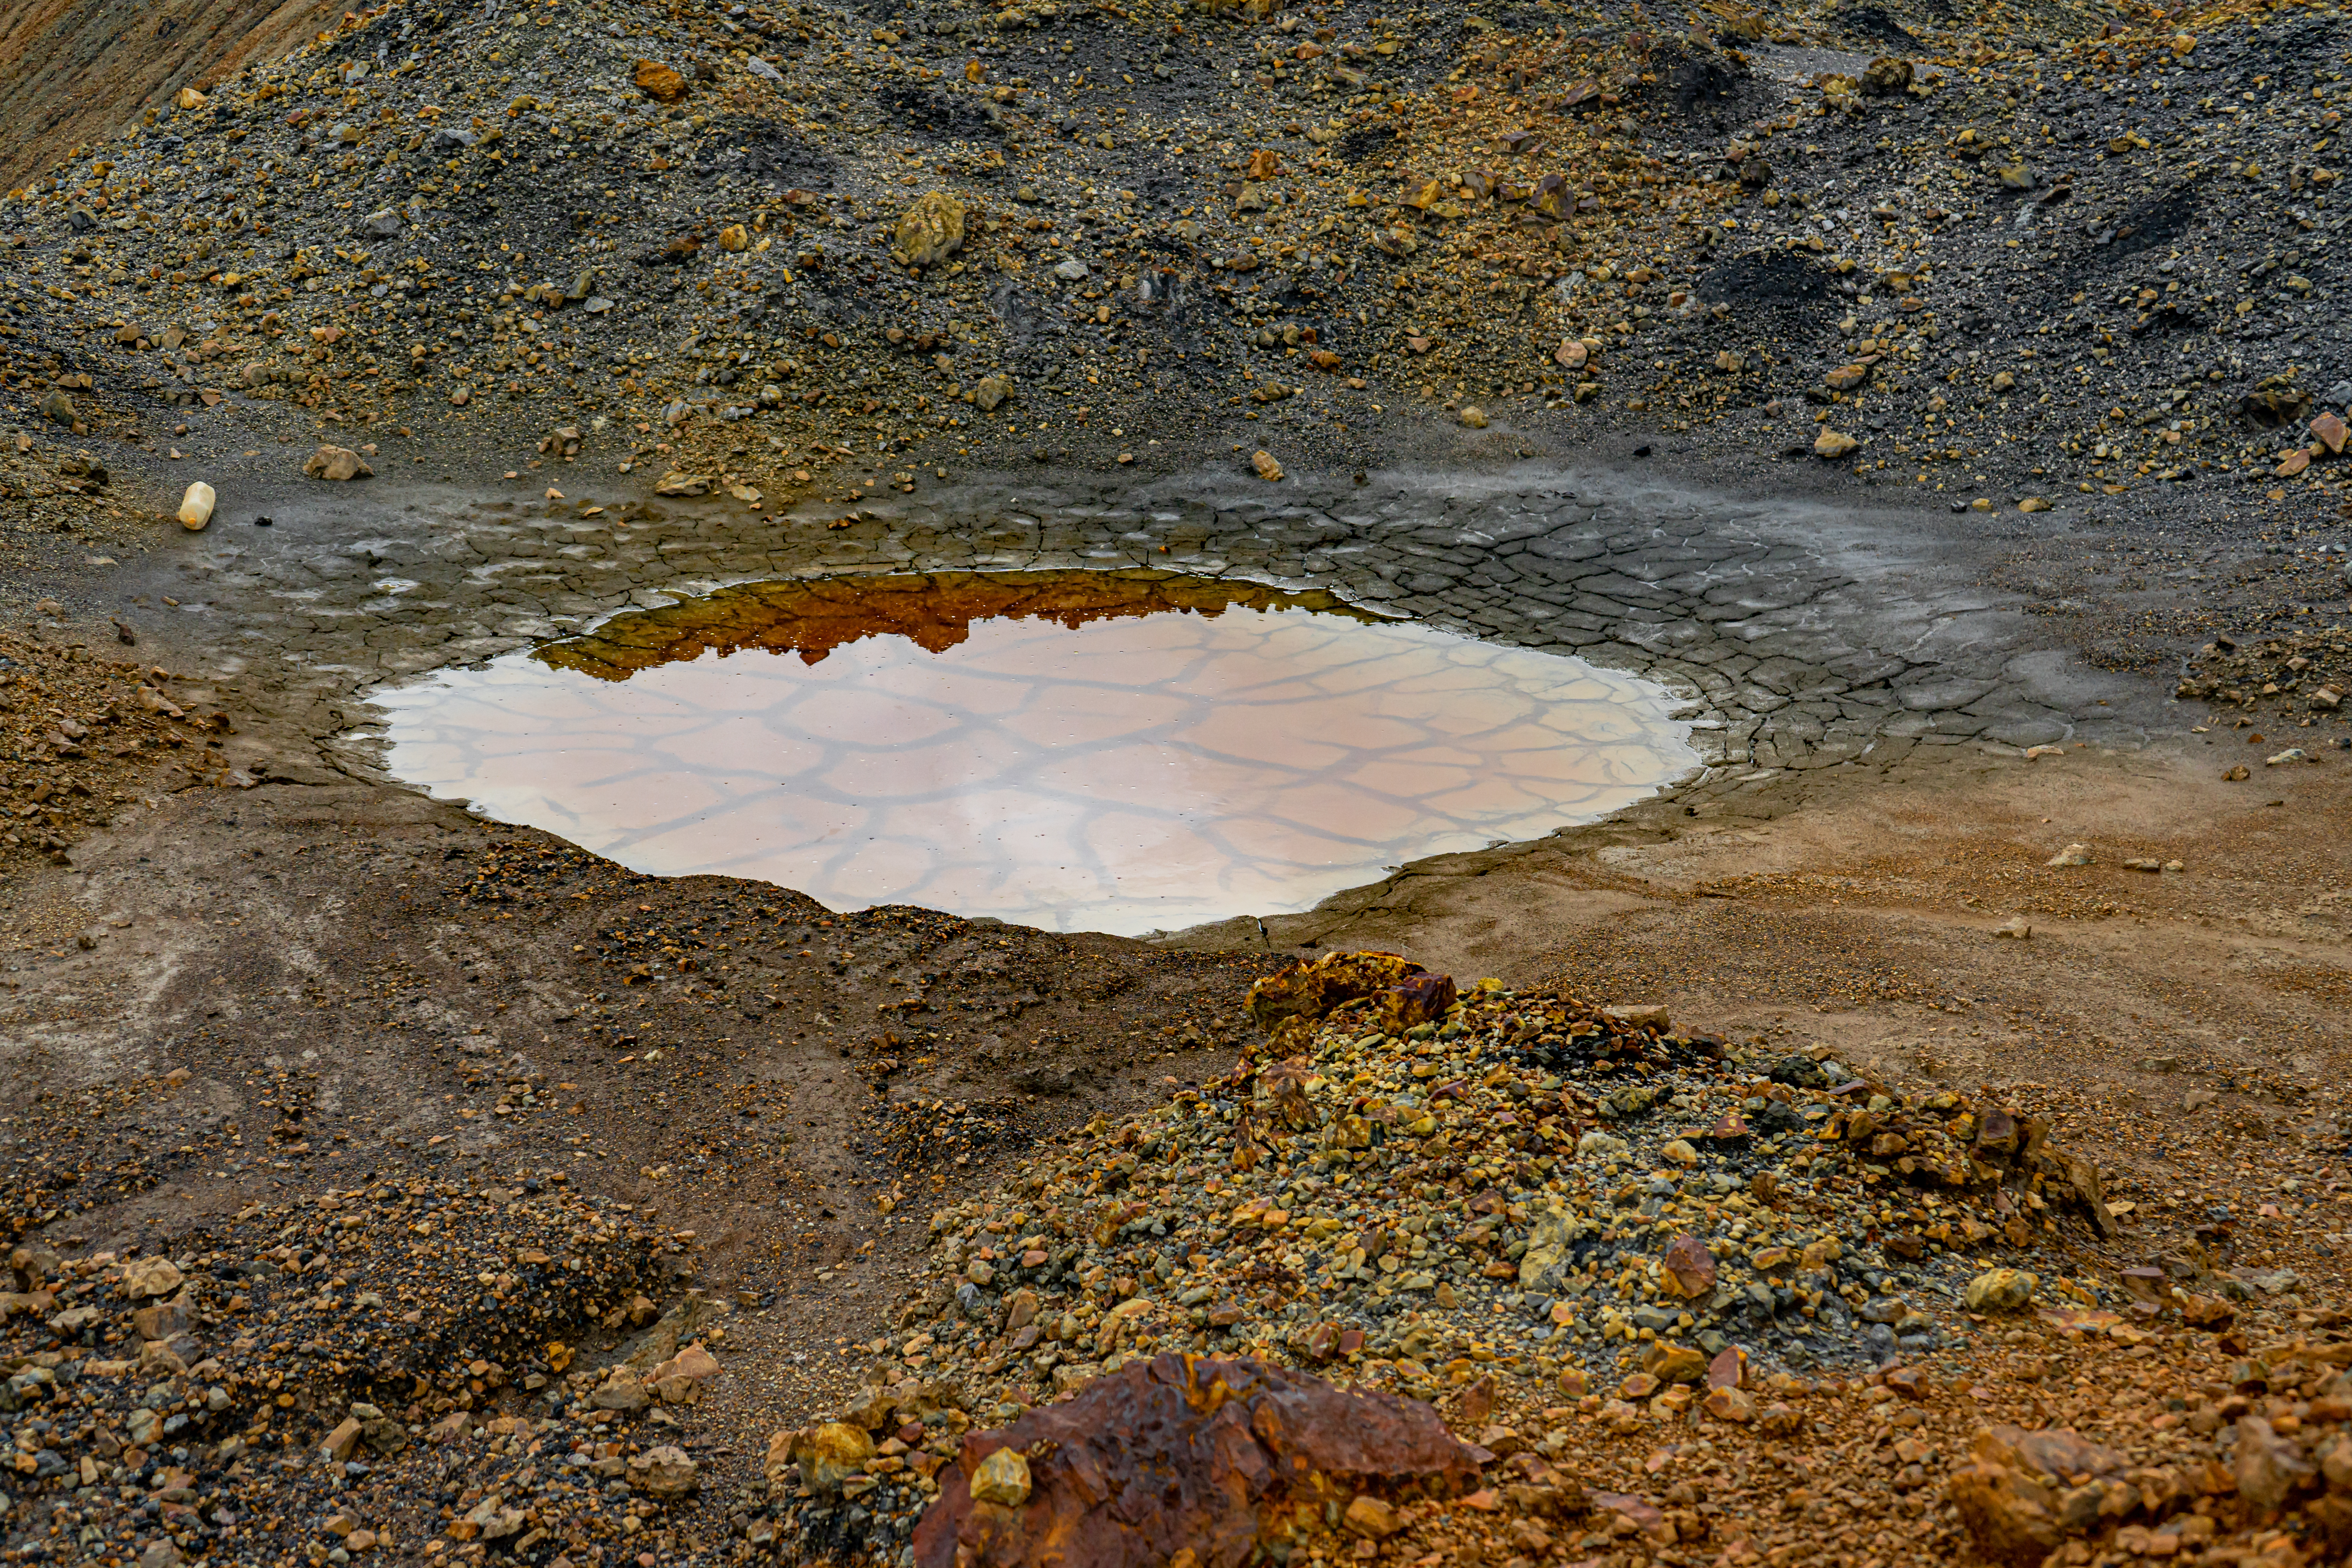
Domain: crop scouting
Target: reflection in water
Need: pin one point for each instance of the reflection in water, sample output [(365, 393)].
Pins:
[(1057, 749), (934, 612)]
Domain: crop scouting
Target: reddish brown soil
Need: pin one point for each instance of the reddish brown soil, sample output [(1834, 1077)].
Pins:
[(73, 71)]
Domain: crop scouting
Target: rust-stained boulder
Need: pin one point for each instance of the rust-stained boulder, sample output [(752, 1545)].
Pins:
[(1182, 1456), (1402, 992)]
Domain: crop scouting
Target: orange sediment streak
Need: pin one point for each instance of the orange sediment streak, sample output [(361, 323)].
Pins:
[(935, 611)]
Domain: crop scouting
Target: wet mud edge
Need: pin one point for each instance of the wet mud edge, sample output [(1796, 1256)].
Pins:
[(1801, 634)]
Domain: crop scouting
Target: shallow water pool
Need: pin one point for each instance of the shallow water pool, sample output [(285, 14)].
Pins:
[(1077, 751)]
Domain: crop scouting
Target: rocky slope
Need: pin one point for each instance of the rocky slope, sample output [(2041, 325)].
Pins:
[(2055, 258)]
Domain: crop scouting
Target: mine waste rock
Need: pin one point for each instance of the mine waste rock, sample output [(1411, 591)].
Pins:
[(1179, 1454), (1482, 1199)]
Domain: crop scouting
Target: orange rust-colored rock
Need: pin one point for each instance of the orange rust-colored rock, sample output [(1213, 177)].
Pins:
[(1690, 1266), (2008, 1512), (2027, 1491), (1182, 1455), (1403, 994), (659, 82)]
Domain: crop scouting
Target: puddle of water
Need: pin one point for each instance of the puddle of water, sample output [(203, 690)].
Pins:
[(1077, 751)]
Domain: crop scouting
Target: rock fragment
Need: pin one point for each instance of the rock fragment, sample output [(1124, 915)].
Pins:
[(144, 1277), (337, 463), (1885, 76), (658, 81), (664, 1472), (2001, 1290), (931, 230), (829, 1455), (1002, 1478)]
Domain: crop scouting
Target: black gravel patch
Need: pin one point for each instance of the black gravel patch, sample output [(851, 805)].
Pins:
[(1874, 22), (1604, 1053), (1691, 81), (780, 157), (931, 114), (1769, 278), (2157, 221)]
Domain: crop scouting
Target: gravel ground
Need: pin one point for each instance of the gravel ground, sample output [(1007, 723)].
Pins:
[(1601, 1248), (2060, 259), (88, 734)]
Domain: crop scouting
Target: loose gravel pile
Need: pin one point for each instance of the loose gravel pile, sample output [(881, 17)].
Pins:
[(1544, 1182), (357, 1371), (2277, 676), (1506, 1198)]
